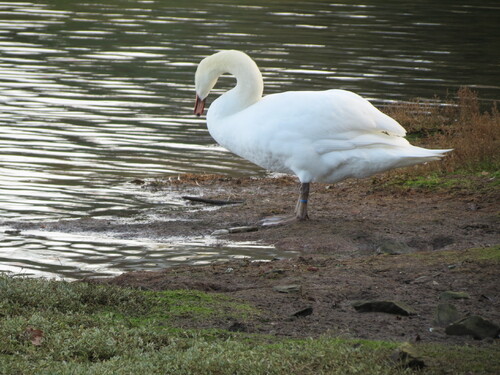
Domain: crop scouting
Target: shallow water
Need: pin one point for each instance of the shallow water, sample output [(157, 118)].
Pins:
[(94, 95)]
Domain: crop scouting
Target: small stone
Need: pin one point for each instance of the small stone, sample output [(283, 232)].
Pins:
[(248, 228), (12, 232), (229, 270), (218, 232), (445, 314), (439, 242), (473, 207), (304, 312), (288, 288), (390, 307), (392, 247), (274, 274), (276, 271), (474, 326), (406, 355), (453, 295), (421, 279)]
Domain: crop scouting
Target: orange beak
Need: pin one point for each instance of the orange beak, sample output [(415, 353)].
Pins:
[(199, 106)]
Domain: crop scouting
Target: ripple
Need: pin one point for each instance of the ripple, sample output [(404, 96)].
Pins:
[(75, 256)]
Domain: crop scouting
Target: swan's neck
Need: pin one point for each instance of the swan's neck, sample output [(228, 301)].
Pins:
[(249, 84)]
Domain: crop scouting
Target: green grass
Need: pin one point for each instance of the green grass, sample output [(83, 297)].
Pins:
[(489, 253), (462, 181), (90, 329), (483, 254), (434, 181), (194, 305), (20, 295), (448, 359)]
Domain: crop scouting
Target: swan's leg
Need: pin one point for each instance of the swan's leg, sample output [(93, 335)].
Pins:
[(301, 208)]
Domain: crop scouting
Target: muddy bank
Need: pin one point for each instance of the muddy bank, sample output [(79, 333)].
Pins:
[(363, 242), (348, 219), (314, 295)]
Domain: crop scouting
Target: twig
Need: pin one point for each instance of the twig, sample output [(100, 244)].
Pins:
[(210, 201)]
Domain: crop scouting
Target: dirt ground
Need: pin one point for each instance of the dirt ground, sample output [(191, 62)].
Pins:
[(363, 241)]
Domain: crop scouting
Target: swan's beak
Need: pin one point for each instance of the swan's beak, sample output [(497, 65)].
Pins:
[(199, 106)]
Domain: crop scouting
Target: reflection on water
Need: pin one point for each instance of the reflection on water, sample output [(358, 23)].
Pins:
[(71, 256), (93, 95)]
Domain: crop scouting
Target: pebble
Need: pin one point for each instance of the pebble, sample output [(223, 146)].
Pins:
[(453, 295), (288, 288), (390, 307), (248, 228), (445, 314), (475, 326), (219, 232), (243, 229), (304, 312), (407, 356), (12, 231), (421, 279)]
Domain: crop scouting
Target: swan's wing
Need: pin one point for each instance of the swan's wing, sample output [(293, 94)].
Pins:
[(323, 113), (310, 121), (357, 140), (358, 114)]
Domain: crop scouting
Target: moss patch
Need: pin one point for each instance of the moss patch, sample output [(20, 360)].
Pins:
[(481, 182), (25, 296), (195, 305), (483, 254)]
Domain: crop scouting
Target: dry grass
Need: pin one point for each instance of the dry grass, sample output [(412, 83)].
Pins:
[(460, 124)]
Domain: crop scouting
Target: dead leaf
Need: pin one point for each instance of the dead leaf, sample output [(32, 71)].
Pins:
[(34, 335)]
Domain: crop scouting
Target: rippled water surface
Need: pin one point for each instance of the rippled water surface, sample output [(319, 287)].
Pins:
[(95, 94)]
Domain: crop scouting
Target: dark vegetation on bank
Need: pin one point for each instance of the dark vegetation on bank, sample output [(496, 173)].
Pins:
[(461, 124)]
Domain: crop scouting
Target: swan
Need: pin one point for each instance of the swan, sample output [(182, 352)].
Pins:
[(319, 136)]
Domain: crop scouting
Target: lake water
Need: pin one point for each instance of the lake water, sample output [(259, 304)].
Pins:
[(96, 94)]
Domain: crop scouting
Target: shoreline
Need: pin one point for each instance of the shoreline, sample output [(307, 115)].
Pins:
[(363, 241)]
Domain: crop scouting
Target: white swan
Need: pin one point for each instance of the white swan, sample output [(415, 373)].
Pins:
[(319, 136)]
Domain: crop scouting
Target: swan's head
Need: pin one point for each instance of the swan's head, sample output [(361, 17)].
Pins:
[(212, 67), (205, 79)]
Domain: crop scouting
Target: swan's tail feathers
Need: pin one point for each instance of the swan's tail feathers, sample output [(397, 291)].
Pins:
[(419, 155), (433, 154)]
